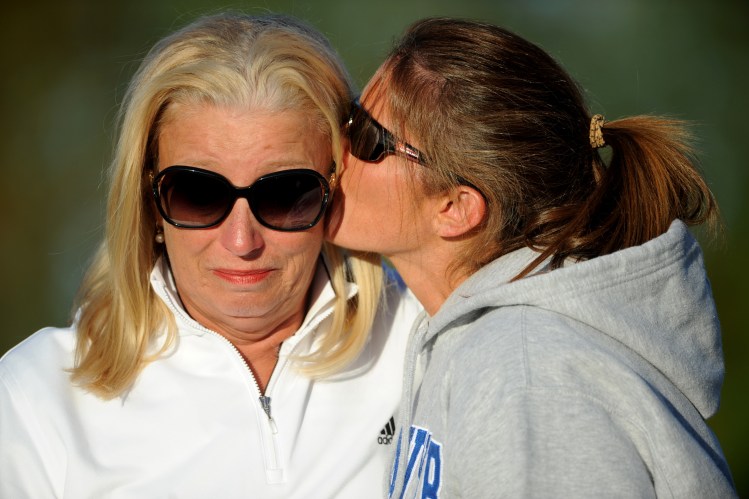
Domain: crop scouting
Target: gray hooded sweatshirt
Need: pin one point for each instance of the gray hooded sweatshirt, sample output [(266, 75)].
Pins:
[(592, 380)]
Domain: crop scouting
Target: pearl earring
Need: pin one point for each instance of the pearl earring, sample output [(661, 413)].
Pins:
[(159, 237)]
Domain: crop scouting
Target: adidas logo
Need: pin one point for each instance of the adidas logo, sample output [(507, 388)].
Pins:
[(386, 434)]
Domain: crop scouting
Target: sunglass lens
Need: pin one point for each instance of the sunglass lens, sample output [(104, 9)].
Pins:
[(289, 201), (365, 137), (193, 199)]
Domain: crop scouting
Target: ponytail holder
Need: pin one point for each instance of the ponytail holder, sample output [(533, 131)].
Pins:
[(596, 135)]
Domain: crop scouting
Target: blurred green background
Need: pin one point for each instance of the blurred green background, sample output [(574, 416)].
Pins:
[(65, 66)]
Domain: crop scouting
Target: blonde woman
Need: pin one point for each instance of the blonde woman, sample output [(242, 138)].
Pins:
[(220, 348)]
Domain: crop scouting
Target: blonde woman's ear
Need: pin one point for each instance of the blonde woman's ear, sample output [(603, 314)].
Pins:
[(460, 211)]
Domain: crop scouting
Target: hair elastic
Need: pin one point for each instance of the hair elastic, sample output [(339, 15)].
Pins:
[(596, 134)]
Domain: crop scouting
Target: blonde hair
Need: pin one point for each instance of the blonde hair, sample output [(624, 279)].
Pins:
[(273, 62)]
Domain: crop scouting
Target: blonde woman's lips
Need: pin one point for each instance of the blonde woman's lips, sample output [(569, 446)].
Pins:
[(242, 277)]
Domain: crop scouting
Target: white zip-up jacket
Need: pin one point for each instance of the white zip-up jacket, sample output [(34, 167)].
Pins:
[(195, 425)]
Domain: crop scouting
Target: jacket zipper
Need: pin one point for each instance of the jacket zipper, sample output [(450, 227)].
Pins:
[(265, 401), (262, 398), (272, 468)]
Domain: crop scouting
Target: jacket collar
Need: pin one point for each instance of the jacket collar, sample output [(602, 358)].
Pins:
[(321, 298)]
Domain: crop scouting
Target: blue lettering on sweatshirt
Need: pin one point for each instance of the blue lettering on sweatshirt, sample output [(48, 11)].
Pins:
[(424, 456)]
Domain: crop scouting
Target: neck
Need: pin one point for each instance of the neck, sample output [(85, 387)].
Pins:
[(430, 281), (261, 354), (261, 362)]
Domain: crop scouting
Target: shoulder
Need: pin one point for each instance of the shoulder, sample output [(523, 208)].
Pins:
[(533, 331), (570, 400), (35, 389), (46, 344), (41, 359), (540, 362), (526, 348)]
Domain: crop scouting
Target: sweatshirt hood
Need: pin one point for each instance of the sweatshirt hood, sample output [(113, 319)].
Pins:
[(654, 299)]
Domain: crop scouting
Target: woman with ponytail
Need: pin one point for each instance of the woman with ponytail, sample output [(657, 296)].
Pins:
[(570, 345)]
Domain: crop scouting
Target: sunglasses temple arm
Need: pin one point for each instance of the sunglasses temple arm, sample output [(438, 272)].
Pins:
[(409, 151)]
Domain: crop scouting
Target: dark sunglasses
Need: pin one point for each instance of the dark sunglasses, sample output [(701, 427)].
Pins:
[(286, 200), (371, 141)]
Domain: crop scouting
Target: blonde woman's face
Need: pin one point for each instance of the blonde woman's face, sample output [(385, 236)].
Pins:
[(239, 278)]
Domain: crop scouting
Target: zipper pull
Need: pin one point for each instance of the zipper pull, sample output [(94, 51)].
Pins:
[(265, 403)]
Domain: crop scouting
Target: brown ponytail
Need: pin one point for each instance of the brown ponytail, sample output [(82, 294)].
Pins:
[(651, 180)]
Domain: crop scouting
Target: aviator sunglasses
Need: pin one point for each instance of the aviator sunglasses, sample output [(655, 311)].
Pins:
[(286, 200), (371, 141)]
